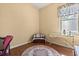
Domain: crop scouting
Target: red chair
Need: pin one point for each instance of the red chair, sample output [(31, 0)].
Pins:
[(6, 45)]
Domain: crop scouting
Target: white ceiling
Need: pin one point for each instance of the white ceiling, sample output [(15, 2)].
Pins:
[(40, 5)]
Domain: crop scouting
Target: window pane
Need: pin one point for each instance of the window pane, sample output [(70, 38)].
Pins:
[(69, 24), (73, 25)]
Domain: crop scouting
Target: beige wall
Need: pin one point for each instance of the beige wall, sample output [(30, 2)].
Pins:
[(49, 24), (23, 20), (19, 20), (49, 19)]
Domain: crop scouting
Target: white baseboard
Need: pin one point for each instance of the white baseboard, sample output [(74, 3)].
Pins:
[(11, 47)]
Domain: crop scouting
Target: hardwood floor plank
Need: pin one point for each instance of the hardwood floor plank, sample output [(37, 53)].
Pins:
[(62, 50)]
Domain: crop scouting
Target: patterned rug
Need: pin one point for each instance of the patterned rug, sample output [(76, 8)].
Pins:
[(40, 50)]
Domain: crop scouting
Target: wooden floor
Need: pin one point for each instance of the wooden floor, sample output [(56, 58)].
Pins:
[(62, 50)]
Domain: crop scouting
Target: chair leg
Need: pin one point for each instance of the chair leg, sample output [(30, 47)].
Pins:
[(8, 50), (4, 53)]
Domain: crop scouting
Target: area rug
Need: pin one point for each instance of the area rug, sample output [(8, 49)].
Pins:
[(40, 50)]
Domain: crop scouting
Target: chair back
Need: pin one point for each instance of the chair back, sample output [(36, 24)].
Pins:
[(7, 41)]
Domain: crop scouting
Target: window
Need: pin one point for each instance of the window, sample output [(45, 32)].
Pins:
[(68, 16)]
